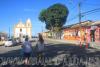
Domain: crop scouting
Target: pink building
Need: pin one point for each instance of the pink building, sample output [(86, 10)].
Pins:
[(95, 32), (89, 32)]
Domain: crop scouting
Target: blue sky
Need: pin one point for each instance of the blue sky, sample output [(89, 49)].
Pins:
[(11, 11)]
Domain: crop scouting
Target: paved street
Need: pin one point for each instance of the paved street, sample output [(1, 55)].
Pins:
[(56, 51)]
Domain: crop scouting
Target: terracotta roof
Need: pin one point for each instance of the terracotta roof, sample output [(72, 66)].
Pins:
[(96, 23), (84, 23)]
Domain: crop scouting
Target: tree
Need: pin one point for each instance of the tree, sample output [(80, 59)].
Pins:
[(54, 17), (42, 16)]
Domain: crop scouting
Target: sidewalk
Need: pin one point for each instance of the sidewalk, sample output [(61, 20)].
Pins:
[(63, 41), (95, 45)]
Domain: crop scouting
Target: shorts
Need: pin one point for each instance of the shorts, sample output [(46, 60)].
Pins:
[(27, 55)]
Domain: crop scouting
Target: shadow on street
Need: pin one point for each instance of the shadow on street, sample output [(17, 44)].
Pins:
[(54, 50)]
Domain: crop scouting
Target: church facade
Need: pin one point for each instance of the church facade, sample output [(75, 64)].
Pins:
[(22, 30)]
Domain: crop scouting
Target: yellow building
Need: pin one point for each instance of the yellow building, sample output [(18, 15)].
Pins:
[(21, 30)]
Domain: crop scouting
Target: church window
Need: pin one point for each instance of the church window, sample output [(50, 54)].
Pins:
[(28, 24), (20, 30)]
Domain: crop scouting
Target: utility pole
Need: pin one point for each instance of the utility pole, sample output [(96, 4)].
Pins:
[(79, 8), (9, 32)]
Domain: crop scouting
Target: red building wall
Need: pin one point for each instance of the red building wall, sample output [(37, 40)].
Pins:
[(84, 35), (97, 34)]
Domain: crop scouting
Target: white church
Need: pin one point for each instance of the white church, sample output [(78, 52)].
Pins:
[(21, 30)]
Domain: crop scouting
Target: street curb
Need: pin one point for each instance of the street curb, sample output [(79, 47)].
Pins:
[(94, 45)]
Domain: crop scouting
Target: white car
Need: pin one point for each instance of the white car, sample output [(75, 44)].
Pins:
[(8, 43)]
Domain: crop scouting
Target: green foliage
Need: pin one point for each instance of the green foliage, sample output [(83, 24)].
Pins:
[(54, 16), (42, 15)]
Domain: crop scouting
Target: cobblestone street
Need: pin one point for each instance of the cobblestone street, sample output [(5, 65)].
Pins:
[(56, 53)]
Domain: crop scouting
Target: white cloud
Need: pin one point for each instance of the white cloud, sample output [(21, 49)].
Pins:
[(29, 10)]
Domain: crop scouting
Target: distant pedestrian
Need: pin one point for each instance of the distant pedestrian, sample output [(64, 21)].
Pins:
[(27, 50), (40, 49)]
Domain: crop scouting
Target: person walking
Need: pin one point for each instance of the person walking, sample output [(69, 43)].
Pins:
[(27, 50), (40, 49)]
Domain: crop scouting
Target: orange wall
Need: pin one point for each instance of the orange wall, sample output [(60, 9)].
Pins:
[(84, 36), (68, 34)]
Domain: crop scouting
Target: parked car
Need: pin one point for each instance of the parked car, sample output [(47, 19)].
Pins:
[(34, 36), (15, 42), (2, 43), (11, 42), (8, 43)]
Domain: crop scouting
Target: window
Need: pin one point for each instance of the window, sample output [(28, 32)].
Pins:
[(76, 33), (28, 24), (20, 30)]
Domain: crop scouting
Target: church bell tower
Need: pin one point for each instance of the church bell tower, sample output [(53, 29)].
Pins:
[(29, 28)]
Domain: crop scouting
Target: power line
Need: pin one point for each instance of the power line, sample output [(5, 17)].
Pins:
[(94, 10), (72, 18), (92, 4), (90, 13), (85, 13), (79, 8)]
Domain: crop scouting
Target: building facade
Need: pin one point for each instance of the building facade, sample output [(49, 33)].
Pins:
[(3, 36), (87, 31), (22, 30)]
